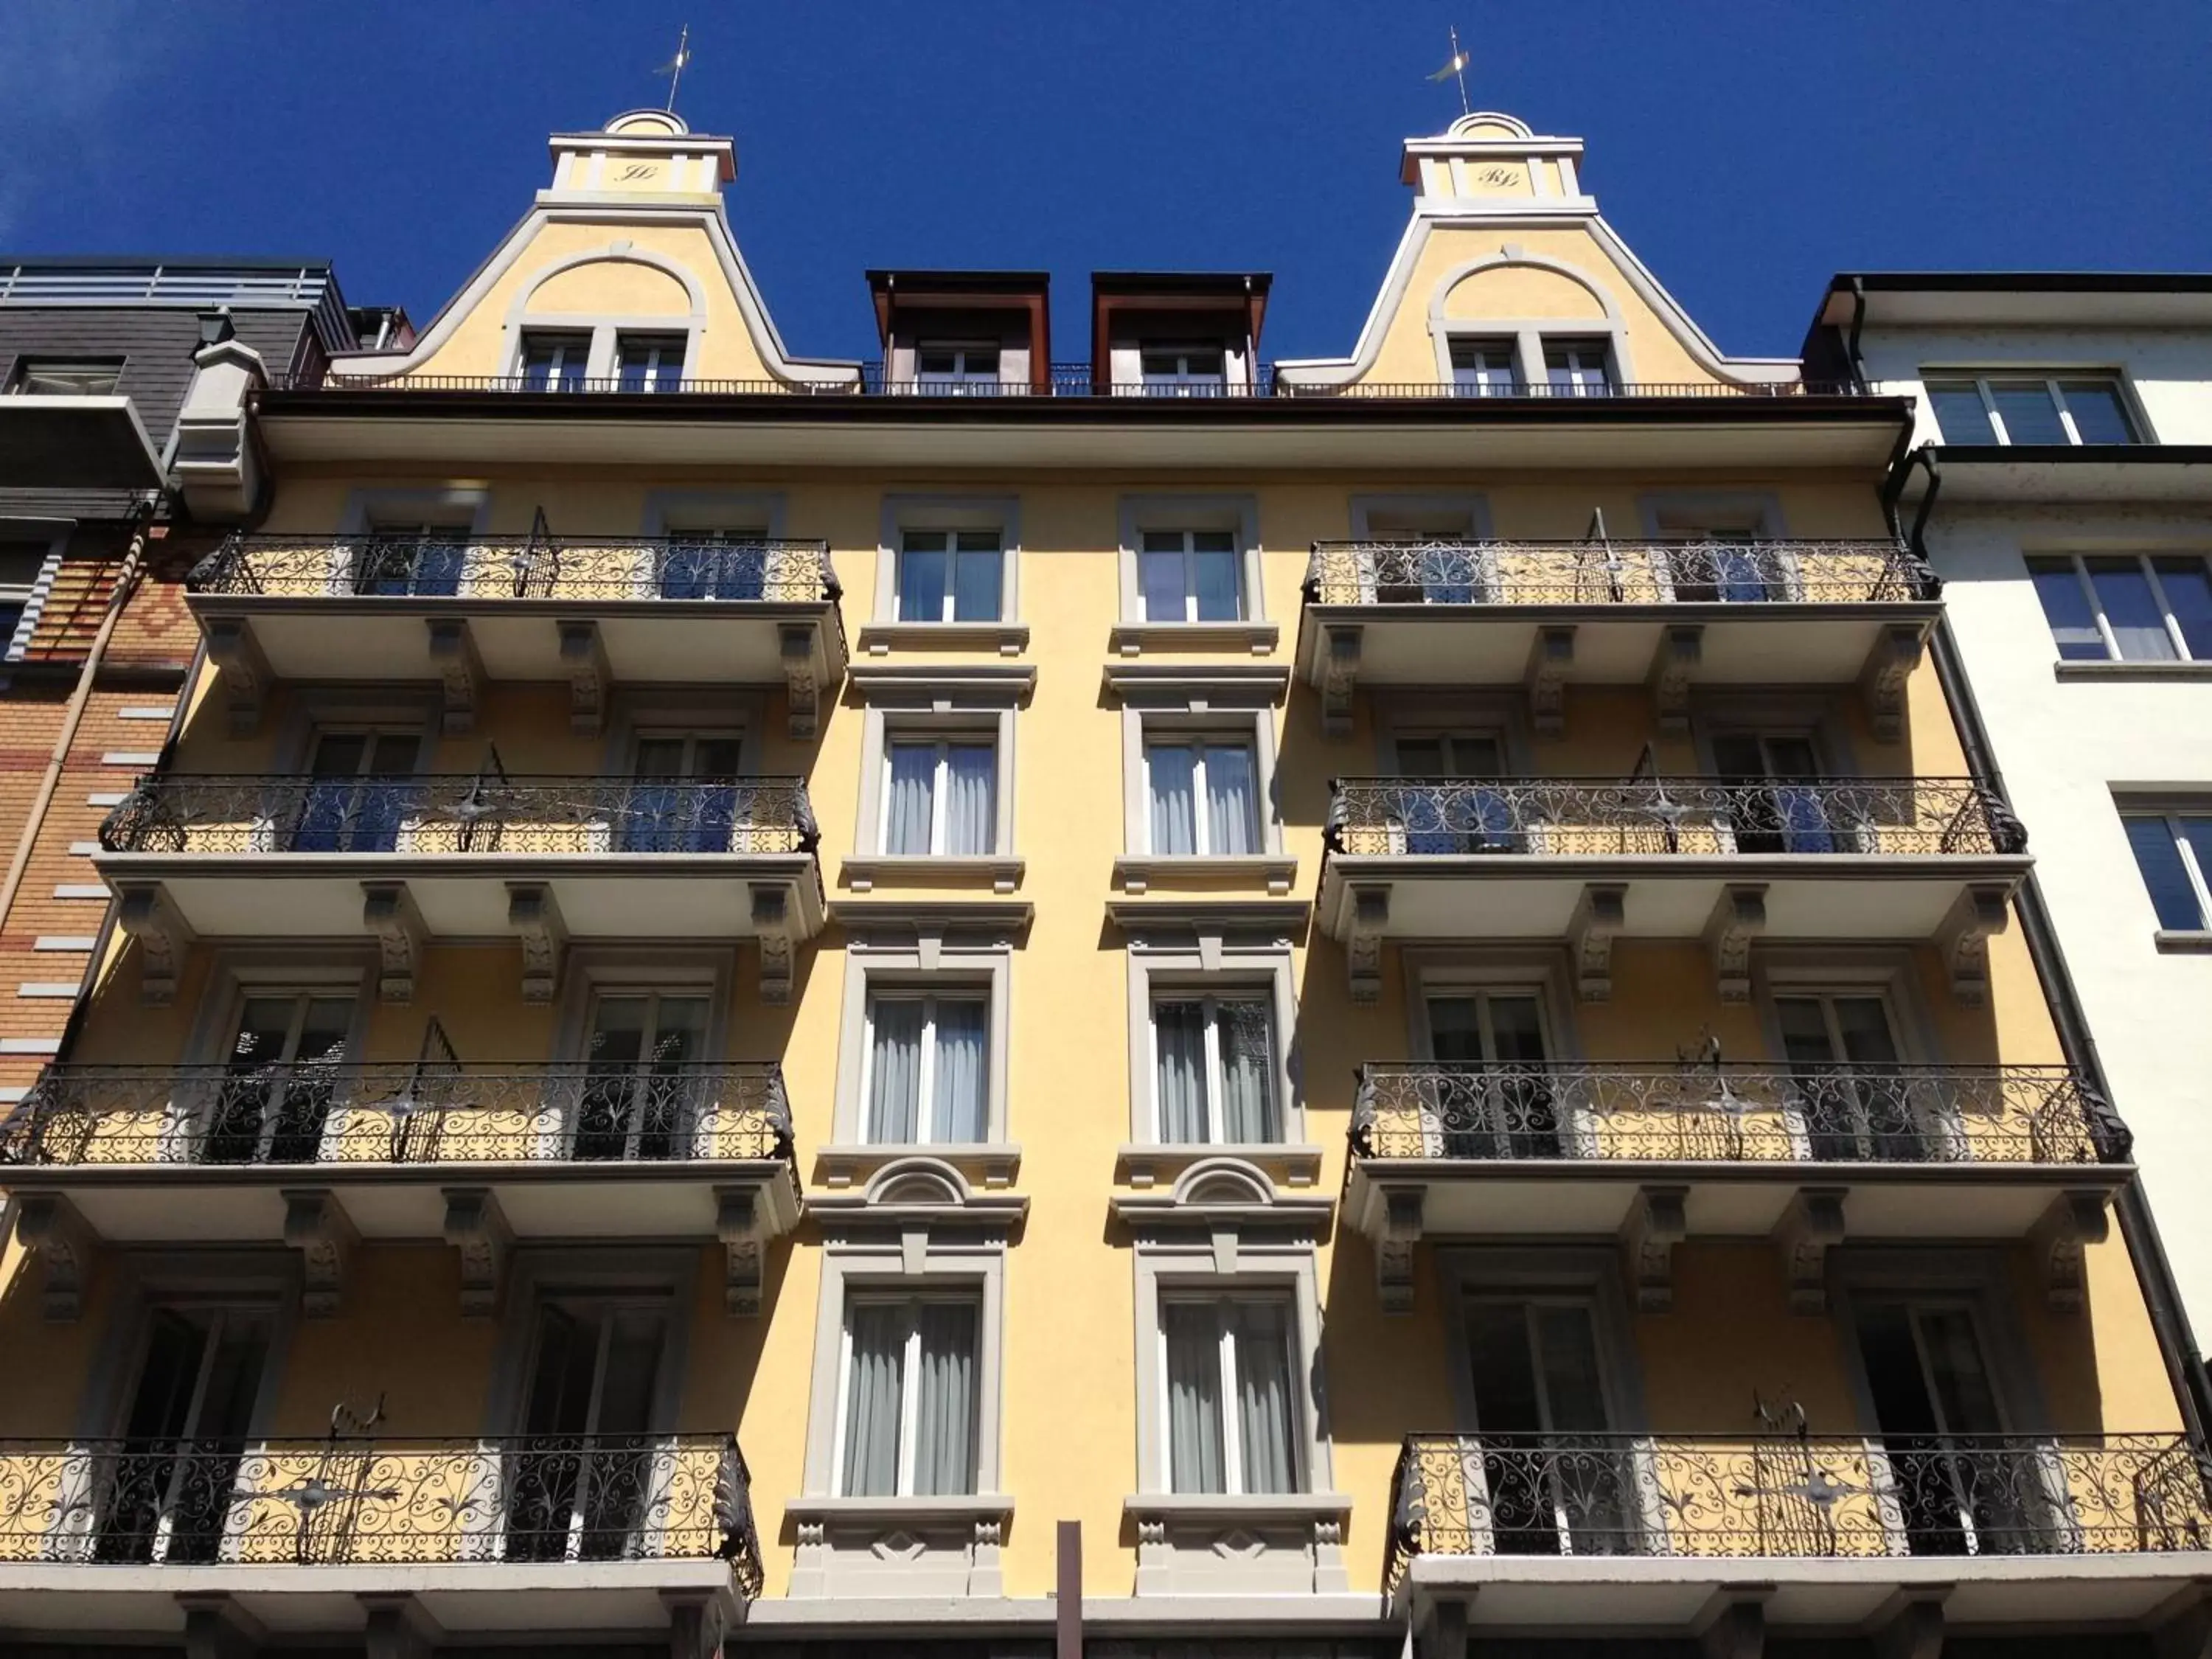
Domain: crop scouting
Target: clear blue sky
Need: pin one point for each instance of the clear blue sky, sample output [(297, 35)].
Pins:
[(1747, 148)]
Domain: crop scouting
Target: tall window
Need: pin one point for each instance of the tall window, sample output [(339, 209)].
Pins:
[(553, 362), (950, 367), (684, 799), (2130, 607), (1203, 797), (20, 562), (1843, 1054), (1556, 1484), (1191, 575), (1232, 1412), (927, 1075), (66, 377), (649, 362), (1790, 814), (278, 1080), (907, 1411), (1579, 368), (1182, 371), (2034, 408), (1213, 1069), (184, 1436), (950, 575), (1501, 1104), (581, 1482), (713, 564), (358, 791), (1449, 818), (1484, 368), (399, 558), (642, 1089), (2173, 850), (940, 796)]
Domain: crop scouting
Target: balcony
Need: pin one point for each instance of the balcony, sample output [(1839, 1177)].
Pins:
[(1823, 1533), (595, 612), (1588, 860), (1667, 1151), (411, 859), (549, 1533), (1548, 615)]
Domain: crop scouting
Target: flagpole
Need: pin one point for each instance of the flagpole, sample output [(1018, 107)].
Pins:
[(682, 44)]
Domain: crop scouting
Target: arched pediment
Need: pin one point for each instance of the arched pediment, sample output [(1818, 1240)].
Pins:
[(918, 1181), (1219, 1181), (620, 279), (1520, 286)]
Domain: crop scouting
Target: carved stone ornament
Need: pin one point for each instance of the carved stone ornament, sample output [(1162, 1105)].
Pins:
[(1739, 917), (535, 920), (1964, 939), (1896, 653), (48, 1226), (1656, 1224), (1808, 1230), (1680, 650), (476, 1229), (1339, 679), (1600, 914), (1393, 1250), (777, 930), (1549, 659), (802, 692), (584, 660), (388, 912), (146, 914), (2075, 1221), (317, 1227), (460, 672), (742, 1227), (245, 677), (1363, 952)]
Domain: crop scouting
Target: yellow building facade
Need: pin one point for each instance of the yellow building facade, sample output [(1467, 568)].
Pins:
[(1384, 981)]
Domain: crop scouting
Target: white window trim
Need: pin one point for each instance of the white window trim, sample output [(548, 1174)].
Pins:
[(1531, 337), (467, 506), (1210, 994), (1542, 971), (940, 740), (2148, 562), (909, 1378), (1890, 972), (1167, 703), (1198, 739), (1220, 1297), (1979, 1278), (2050, 378), (1008, 636), (1238, 514), (1166, 966), (907, 704), (56, 533), (2169, 811), (931, 995)]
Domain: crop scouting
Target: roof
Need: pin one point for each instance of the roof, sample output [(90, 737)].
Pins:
[(2026, 299)]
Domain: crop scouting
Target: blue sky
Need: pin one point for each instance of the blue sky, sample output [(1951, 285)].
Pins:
[(1747, 148)]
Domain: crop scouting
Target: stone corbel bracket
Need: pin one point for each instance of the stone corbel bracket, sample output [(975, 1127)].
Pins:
[(1363, 950), (49, 1228), (1545, 679), (146, 914), (247, 678), (2075, 1221), (460, 672), (802, 686), (742, 1223), (1739, 917), (535, 920), (1681, 648), (1393, 1249), (1896, 653), (1811, 1227), (388, 912), (584, 659), (477, 1228), (777, 927), (1964, 938), (1657, 1223), (317, 1227), (1339, 679), (1600, 914)]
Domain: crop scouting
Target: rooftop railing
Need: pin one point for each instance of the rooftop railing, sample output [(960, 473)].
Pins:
[(536, 567), (334, 1112), (444, 815), (1579, 1112), (542, 1498), (1794, 1495), (1689, 817), (1626, 573)]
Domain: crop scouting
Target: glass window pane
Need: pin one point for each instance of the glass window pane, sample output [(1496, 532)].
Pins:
[(2197, 832), (2189, 596), (873, 1389), (1574, 1396), (2029, 416), (1517, 1026), (1193, 1334), (2163, 874), (2138, 625), (975, 583), (895, 1070), (921, 577), (1179, 1040), (1247, 1036), (2100, 416), (957, 1114), (1216, 571), (1503, 1364), (1455, 1030), (1232, 817), (2066, 607), (944, 1399), (1171, 771), (1958, 413), (912, 784), (1160, 575), (1266, 1414), (971, 779), (1805, 1039)]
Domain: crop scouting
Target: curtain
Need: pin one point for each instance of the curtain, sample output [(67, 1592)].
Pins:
[(971, 777), (1179, 1033), (1264, 1416), (976, 572), (1193, 1335), (944, 1399), (913, 779), (872, 1399), (1229, 819), (1172, 771), (1248, 1072), (921, 577), (1214, 562), (958, 1113), (894, 1079), (1159, 571)]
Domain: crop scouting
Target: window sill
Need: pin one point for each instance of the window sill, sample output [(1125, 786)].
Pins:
[(1135, 639), (993, 1165), (943, 1510), (1134, 874), (1007, 639), (865, 872), (1287, 1163), (1229, 1508), (2183, 941), (2133, 670)]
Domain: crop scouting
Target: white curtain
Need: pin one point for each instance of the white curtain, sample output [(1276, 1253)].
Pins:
[(944, 1399), (958, 1113), (1193, 1334), (1229, 819), (1248, 1072), (895, 1075), (971, 819), (872, 1399), (1172, 769), (1264, 1414), (913, 776), (1179, 1034), (1215, 561)]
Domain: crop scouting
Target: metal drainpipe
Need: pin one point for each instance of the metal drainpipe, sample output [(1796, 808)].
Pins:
[(2154, 1270)]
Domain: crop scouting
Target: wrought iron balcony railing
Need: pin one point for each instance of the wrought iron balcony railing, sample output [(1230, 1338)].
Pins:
[(1691, 818), (535, 567), (1817, 1497), (399, 1502), (434, 815), (1624, 573), (1734, 1113), (425, 1113)]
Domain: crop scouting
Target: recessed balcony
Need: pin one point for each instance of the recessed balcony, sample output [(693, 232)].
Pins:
[(410, 859), (596, 611), (645, 1533), (1727, 860), (1671, 614), (1650, 1534)]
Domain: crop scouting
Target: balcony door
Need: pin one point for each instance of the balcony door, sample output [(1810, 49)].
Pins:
[(1773, 809), (643, 1095), (1844, 1064), (581, 1482), (164, 1492), (397, 560), (1955, 1484), (275, 1094), (685, 796), (713, 564), (357, 793), (1553, 1477), (1414, 566), (1444, 812), (1493, 1093)]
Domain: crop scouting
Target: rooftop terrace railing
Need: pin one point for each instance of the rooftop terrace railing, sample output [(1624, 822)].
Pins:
[(1748, 572)]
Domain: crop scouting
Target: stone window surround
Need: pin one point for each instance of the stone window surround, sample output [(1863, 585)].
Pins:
[(1441, 969), (463, 506), (902, 511), (1729, 711), (604, 328), (1239, 513), (671, 512), (1410, 713), (1762, 505), (590, 970), (949, 699), (1198, 702), (1889, 972), (663, 1277), (315, 709), (1472, 511), (1587, 1274), (652, 711), (1528, 334), (1210, 962), (235, 974)]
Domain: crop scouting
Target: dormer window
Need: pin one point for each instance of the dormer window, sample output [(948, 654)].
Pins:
[(553, 362), (1182, 371), (74, 377), (1484, 368), (953, 367), (2017, 408), (649, 362), (1579, 368)]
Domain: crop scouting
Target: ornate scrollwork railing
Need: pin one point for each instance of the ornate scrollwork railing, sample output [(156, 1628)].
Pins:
[(1695, 817), (1796, 1496), (338, 1113), (345, 1499), (430, 815), (1731, 1112), (1626, 573), (536, 567)]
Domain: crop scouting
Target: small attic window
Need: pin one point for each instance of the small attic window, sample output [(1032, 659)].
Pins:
[(66, 377), (1483, 366), (1578, 368), (554, 361), (1182, 371)]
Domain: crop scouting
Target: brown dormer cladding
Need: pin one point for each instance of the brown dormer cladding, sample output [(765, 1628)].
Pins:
[(1132, 308), (1010, 309)]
